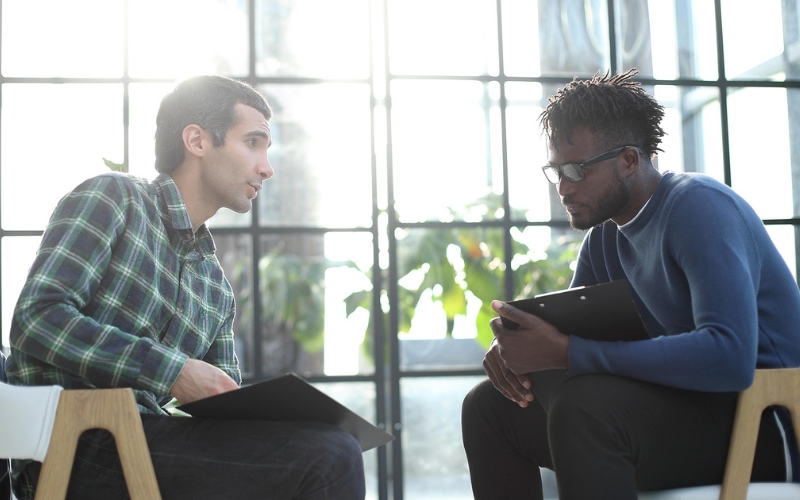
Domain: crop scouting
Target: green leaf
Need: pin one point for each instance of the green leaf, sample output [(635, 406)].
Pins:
[(485, 334), (115, 167), (454, 302), (356, 300)]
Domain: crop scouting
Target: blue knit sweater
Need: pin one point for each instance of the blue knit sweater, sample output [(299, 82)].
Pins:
[(717, 297)]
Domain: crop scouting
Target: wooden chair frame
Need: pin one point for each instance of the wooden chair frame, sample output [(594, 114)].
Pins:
[(776, 386), (114, 410)]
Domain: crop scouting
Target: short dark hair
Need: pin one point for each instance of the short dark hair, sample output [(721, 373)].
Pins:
[(618, 109), (206, 101)]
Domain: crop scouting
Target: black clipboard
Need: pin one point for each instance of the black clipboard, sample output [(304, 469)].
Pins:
[(287, 398), (606, 311)]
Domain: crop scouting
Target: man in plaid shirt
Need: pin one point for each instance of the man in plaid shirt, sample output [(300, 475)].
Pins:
[(126, 291)]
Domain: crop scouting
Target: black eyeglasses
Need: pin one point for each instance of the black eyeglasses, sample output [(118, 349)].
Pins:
[(575, 172)]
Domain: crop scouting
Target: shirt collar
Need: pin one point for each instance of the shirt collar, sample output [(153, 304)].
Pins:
[(173, 211)]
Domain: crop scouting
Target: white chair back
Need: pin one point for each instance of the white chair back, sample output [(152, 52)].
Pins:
[(26, 420)]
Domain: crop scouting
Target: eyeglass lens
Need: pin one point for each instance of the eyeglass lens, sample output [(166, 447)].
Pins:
[(571, 171)]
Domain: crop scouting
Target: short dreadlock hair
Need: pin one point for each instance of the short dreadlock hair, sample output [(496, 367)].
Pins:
[(618, 109)]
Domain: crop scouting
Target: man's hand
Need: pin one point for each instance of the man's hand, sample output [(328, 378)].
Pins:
[(517, 388), (199, 380), (536, 345)]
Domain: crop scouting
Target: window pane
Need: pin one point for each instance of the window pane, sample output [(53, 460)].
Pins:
[(791, 39), (309, 38), (694, 131), (530, 195), (228, 218), (434, 463), (671, 158), (144, 99), (763, 175), (573, 38), (521, 52), (785, 238), (321, 155), (179, 38), (18, 254), (446, 153), (544, 259), (440, 354), (632, 28), (360, 398), (445, 37), (745, 59), (91, 119), (650, 39), (235, 254), (54, 38), (304, 282), (349, 344), (448, 279)]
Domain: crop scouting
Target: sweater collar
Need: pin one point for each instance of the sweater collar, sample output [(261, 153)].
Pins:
[(644, 212)]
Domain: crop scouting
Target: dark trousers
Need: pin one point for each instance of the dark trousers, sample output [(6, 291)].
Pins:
[(605, 437), (209, 459)]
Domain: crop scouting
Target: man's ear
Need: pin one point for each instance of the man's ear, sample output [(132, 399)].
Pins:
[(196, 141), (631, 161)]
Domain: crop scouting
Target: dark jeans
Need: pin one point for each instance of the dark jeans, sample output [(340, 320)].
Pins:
[(212, 459), (605, 437)]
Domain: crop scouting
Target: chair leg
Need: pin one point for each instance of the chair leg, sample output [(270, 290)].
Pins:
[(742, 449), (57, 465), (134, 453), (774, 386), (110, 409)]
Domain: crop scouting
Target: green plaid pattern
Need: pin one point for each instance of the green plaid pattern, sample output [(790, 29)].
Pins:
[(122, 293)]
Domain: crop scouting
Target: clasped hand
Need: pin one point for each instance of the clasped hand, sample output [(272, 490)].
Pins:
[(536, 345)]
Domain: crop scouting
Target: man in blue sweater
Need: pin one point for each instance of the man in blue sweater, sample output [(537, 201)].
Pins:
[(612, 418)]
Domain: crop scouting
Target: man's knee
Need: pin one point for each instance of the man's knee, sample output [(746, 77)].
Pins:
[(481, 397), (342, 448), (337, 470), (342, 455)]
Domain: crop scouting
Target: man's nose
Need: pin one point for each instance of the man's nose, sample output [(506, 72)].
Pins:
[(265, 170), (565, 186)]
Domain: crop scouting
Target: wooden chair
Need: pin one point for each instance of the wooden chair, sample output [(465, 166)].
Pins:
[(778, 386), (77, 411)]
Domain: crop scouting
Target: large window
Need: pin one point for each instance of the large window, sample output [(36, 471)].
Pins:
[(407, 192)]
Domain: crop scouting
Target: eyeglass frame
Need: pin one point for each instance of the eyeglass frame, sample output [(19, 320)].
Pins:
[(581, 167)]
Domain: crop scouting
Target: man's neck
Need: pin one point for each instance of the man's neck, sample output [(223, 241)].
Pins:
[(641, 191), (198, 210)]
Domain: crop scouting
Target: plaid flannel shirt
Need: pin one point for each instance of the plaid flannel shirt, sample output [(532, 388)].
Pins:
[(122, 293)]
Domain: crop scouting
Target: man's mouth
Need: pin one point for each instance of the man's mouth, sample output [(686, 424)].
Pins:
[(571, 207)]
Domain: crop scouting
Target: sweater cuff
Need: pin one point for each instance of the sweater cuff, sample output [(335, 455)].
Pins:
[(577, 355)]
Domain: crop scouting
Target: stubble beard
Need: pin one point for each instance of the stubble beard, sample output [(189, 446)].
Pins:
[(612, 202)]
